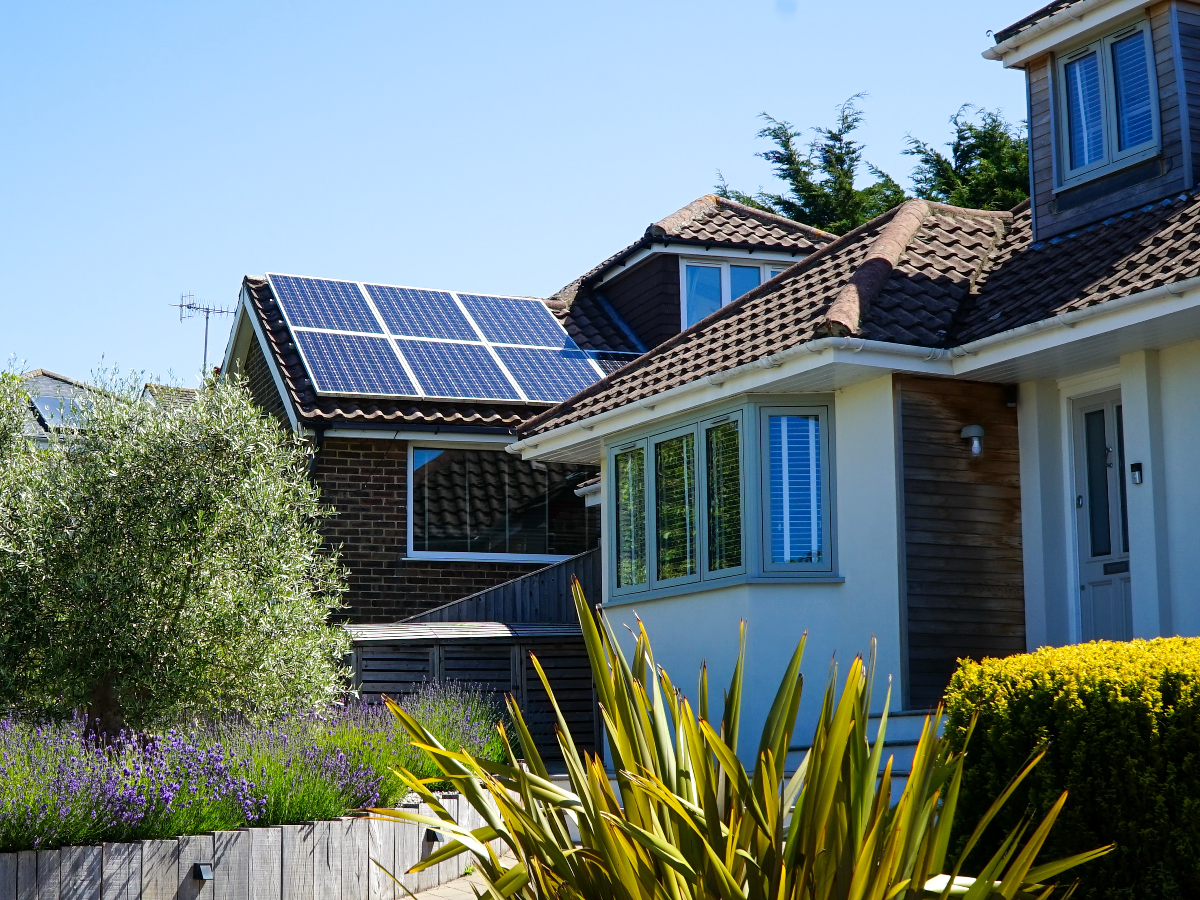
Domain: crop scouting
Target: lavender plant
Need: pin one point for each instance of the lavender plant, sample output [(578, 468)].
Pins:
[(60, 785)]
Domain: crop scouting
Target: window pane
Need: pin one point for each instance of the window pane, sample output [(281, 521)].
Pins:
[(675, 507), (1096, 450), (1135, 120), (772, 273), (703, 287), (631, 517), (743, 279), (724, 496), (795, 470), (489, 501), (1084, 113)]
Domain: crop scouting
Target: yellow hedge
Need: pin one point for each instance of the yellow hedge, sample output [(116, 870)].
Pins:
[(1121, 722)]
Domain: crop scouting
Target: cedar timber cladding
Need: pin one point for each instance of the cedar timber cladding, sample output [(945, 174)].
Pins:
[(647, 297), (1060, 211), (962, 531)]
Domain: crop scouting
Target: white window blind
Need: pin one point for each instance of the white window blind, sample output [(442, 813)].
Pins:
[(1131, 76), (795, 487)]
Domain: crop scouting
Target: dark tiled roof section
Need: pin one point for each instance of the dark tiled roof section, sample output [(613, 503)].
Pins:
[(1032, 19), (935, 257), (590, 325), (1142, 249), (314, 410)]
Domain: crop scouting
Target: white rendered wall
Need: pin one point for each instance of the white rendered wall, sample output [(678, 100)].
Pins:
[(840, 618), (1179, 380)]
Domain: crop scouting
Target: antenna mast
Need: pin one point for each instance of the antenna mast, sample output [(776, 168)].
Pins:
[(188, 307)]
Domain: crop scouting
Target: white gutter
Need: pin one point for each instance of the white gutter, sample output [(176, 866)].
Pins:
[(1065, 320), (1071, 13)]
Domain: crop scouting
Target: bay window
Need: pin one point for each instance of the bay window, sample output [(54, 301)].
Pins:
[(1109, 105), (679, 501)]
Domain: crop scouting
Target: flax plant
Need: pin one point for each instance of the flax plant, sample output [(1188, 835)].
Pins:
[(687, 821)]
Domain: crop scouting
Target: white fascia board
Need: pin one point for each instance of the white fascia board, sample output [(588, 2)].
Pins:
[(430, 436), (767, 375), (717, 252), (274, 370), (1074, 24)]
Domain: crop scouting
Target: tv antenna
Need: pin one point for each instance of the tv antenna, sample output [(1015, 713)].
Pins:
[(188, 307)]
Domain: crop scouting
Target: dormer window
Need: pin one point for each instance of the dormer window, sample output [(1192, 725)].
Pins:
[(1109, 109), (707, 285)]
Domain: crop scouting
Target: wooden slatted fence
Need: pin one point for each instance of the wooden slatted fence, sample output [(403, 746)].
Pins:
[(331, 860)]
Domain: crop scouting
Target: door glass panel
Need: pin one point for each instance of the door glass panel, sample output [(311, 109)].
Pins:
[(1085, 121), (743, 279), (1135, 120), (1096, 452), (722, 452), (703, 287), (675, 507), (1121, 481), (631, 517), (795, 478)]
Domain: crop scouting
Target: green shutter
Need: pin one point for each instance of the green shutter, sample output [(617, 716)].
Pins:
[(723, 452), (631, 517), (675, 506)]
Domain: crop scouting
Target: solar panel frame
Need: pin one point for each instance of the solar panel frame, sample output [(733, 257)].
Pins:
[(294, 294), (483, 347), (374, 371)]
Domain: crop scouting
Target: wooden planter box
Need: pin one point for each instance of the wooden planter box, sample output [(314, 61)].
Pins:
[(333, 860)]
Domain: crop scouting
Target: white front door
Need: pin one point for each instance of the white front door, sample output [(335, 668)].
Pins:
[(1102, 523)]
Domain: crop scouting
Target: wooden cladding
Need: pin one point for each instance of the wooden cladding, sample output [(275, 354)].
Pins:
[(962, 530)]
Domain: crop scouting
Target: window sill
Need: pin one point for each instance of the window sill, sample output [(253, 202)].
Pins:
[(1103, 171), (716, 584), (450, 556)]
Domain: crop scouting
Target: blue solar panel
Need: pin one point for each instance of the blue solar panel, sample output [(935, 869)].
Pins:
[(319, 303), (412, 312), (548, 375), (511, 320), (351, 364), (456, 370)]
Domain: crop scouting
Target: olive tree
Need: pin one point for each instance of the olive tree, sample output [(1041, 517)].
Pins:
[(161, 564)]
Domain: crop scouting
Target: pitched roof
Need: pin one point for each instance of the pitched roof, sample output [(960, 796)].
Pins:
[(167, 396), (1032, 19), (713, 221), (924, 274)]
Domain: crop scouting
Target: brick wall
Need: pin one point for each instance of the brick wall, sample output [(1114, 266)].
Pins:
[(262, 384), (366, 482)]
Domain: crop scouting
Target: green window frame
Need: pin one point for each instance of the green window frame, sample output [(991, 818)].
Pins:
[(795, 506)]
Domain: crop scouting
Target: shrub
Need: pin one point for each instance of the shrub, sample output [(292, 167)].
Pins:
[(687, 821), (1121, 726), (159, 564), (61, 785)]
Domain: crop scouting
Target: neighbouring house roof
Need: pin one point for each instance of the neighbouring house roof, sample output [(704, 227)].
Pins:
[(923, 274), (51, 397), (168, 396), (711, 221), (1032, 19)]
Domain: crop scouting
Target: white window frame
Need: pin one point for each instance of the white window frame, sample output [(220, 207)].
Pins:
[(1113, 159), (452, 555), (764, 456), (765, 268)]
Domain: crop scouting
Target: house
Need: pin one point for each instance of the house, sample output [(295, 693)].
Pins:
[(168, 397), (410, 396), (54, 402), (962, 433)]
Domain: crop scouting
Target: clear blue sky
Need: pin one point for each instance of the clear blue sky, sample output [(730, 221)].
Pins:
[(156, 148)]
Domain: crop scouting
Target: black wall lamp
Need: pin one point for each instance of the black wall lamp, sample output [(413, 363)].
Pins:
[(974, 434), (202, 871)]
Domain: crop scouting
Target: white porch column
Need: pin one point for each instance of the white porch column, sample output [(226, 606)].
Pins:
[(1141, 401), (1045, 544)]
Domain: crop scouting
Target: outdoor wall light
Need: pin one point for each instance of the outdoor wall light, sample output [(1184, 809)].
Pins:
[(434, 837), (202, 871), (974, 434)]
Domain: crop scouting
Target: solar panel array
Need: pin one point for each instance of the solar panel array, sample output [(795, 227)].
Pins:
[(379, 340)]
